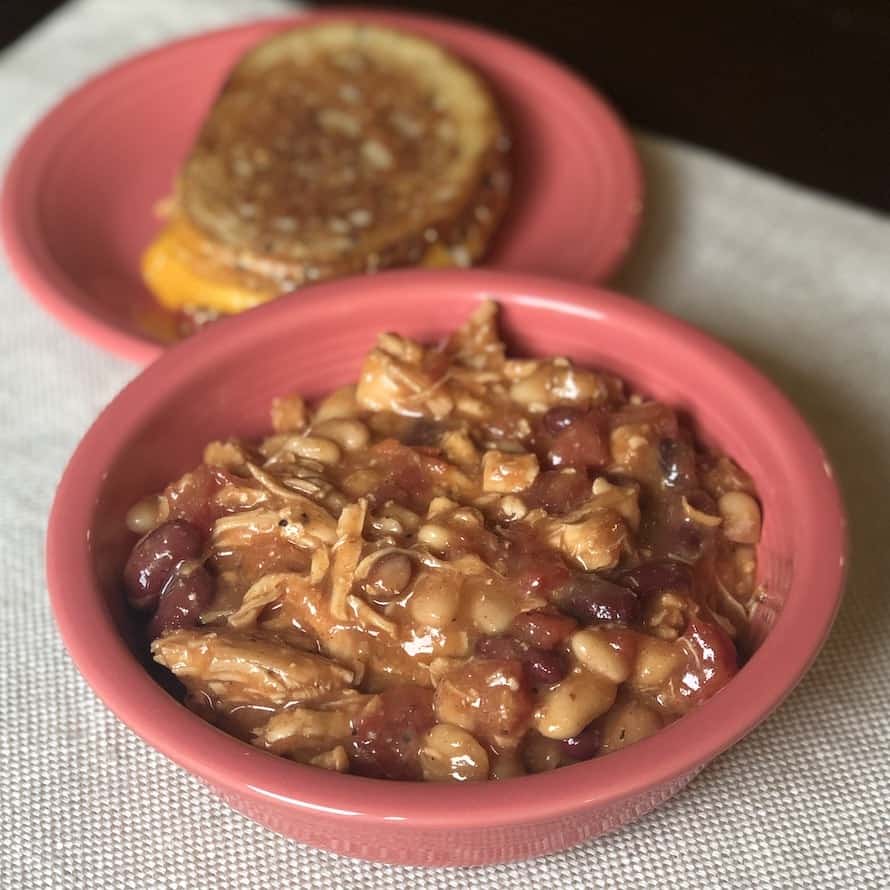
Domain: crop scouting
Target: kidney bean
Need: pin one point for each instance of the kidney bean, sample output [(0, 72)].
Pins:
[(594, 600), (672, 533), (545, 630), (545, 667), (584, 745), (154, 558), (687, 542), (561, 418), (700, 500), (186, 594), (539, 665), (423, 432), (677, 462), (656, 577)]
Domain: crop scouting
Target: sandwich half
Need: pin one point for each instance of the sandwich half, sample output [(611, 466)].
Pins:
[(331, 150)]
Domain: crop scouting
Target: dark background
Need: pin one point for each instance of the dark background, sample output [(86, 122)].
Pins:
[(798, 87)]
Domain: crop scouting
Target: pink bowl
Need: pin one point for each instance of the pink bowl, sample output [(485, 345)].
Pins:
[(78, 199), (220, 383)]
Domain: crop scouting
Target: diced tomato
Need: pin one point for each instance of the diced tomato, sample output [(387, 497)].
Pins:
[(534, 568), (569, 436), (191, 497), (387, 740), (404, 479), (558, 491), (489, 697)]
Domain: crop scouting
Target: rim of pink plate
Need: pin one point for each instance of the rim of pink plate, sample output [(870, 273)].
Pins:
[(114, 673), (35, 266)]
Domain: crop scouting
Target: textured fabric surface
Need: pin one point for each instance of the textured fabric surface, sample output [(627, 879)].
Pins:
[(797, 283)]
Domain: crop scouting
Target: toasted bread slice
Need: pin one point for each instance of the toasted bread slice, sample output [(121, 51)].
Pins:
[(331, 150)]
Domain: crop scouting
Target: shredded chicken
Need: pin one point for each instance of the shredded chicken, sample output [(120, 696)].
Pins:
[(313, 729), (477, 344), (347, 553), (594, 540)]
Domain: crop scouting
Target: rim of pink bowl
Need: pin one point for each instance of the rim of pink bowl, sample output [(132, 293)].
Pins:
[(128, 690), (38, 271)]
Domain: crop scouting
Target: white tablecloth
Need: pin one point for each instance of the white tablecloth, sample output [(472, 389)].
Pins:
[(797, 282)]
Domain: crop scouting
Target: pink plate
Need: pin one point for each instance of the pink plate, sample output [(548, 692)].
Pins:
[(220, 383), (77, 205)]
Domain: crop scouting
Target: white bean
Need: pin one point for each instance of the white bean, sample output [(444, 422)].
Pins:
[(147, 514), (314, 448), (656, 661), (492, 613), (468, 517), (512, 508), (598, 655), (626, 723), (450, 754), (408, 519), (434, 601), (350, 435), (570, 705), (340, 403), (436, 537)]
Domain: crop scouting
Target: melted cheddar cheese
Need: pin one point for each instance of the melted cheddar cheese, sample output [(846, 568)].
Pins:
[(180, 271)]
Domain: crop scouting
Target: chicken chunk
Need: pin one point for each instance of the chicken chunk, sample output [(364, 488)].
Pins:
[(540, 384), (289, 413), (594, 540), (251, 668), (393, 379), (477, 344), (506, 473)]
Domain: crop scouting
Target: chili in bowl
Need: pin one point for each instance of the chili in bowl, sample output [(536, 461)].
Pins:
[(604, 544)]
